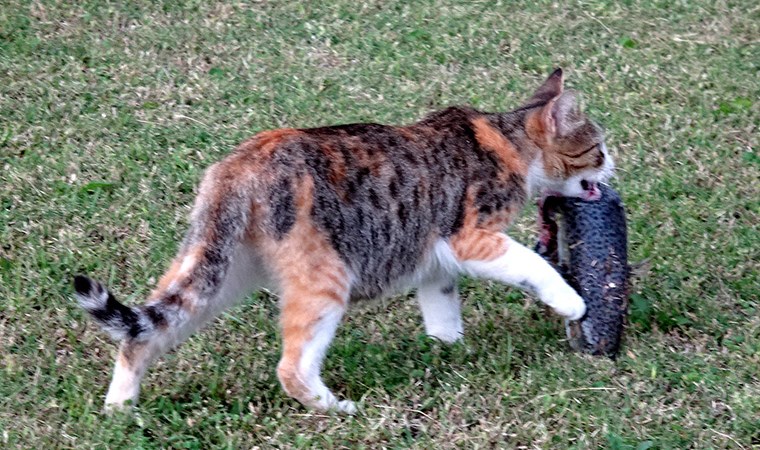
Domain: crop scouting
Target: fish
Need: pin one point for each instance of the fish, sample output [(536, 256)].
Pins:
[(587, 242)]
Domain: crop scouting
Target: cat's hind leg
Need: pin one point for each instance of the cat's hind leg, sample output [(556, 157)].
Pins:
[(315, 292), (309, 319), (174, 313), (314, 285), (215, 267)]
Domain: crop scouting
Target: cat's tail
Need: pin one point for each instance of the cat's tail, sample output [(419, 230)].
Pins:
[(119, 320)]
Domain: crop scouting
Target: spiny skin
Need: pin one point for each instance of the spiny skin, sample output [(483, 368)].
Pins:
[(327, 215), (587, 242)]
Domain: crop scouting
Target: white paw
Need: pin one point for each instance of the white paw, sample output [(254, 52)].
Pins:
[(329, 402), (112, 408), (448, 336), (346, 407), (566, 302)]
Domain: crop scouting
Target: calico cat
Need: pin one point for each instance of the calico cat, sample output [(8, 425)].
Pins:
[(327, 216)]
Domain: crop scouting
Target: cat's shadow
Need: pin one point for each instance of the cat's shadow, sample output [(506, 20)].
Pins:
[(365, 360), (403, 358)]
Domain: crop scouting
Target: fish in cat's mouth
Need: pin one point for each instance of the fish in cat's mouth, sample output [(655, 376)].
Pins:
[(590, 190)]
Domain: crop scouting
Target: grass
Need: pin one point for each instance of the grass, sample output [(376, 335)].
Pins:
[(109, 112)]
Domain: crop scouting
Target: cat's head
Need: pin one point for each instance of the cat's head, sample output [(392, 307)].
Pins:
[(573, 157)]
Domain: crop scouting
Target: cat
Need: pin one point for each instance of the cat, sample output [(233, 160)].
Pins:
[(328, 216)]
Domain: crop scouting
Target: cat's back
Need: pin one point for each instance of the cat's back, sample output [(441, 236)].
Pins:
[(381, 194), (356, 141)]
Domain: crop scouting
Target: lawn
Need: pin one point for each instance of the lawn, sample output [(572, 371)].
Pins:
[(110, 111)]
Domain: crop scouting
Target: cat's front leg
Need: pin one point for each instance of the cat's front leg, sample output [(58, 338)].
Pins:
[(441, 308), (501, 258)]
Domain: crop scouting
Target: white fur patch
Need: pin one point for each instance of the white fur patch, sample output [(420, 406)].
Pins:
[(310, 364), (444, 260), (187, 263), (125, 386), (441, 310), (536, 179)]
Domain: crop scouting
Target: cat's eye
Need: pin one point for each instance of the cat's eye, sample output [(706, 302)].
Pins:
[(578, 155)]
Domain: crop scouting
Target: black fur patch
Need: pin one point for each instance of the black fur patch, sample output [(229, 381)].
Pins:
[(82, 285), (118, 315), (448, 289), (283, 211), (155, 315)]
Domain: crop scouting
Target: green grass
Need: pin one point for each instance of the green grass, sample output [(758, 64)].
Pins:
[(109, 113)]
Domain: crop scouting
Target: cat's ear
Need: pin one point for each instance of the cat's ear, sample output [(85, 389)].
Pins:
[(560, 115), (551, 88)]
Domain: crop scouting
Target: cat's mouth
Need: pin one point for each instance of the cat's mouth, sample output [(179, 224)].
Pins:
[(590, 190), (584, 189)]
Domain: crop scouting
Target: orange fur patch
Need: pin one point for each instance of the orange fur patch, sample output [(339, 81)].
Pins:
[(492, 139), (167, 278), (124, 359), (475, 244), (307, 266), (481, 242), (338, 163), (555, 164), (267, 141), (287, 372), (132, 355), (176, 272), (535, 129)]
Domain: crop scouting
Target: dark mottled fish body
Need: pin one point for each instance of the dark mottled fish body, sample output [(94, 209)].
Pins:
[(587, 242)]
